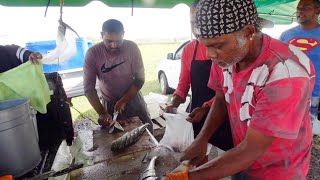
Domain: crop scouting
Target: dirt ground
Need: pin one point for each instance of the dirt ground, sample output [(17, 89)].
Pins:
[(314, 172)]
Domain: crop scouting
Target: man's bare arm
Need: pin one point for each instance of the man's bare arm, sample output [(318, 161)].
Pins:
[(130, 93), (236, 159), (217, 115), (94, 100)]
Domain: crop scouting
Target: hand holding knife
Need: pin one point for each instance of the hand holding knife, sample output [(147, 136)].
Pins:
[(114, 119), (114, 123)]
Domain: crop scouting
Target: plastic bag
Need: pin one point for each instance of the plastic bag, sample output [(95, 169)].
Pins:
[(179, 132), (65, 49), (153, 100)]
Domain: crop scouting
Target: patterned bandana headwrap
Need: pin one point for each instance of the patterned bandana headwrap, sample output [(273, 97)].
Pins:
[(219, 17)]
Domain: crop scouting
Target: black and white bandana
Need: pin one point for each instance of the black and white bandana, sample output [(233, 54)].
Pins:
[(219, 17)]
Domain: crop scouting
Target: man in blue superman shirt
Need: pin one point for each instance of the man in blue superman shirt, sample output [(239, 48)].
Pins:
[(306, 36)]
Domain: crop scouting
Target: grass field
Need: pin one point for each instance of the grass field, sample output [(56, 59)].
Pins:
[(151, 54)]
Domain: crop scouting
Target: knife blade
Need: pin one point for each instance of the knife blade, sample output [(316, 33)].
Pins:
[(114, 119), (185, 165), (154, 140), (115, 116), (118, 126)]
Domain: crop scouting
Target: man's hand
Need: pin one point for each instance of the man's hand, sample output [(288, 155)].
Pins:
[(173, 105), (170, 109), (104, 120), (35, 57), (235, 160), (198, 114), (196, 152), (120, 106)]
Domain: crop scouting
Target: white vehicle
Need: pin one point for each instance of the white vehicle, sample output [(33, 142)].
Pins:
[(169, 71)]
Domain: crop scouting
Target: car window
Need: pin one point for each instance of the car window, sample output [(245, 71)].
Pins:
[(178, 53)]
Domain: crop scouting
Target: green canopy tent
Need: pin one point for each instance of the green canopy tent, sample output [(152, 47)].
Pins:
[(280, 12), (123, 3)]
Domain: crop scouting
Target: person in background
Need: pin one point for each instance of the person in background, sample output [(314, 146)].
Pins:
[(195, 71), (264, 86), (117, 63), (306, 36), (12, 56)]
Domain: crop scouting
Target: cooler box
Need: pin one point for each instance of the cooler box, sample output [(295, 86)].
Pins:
[(75, 62)]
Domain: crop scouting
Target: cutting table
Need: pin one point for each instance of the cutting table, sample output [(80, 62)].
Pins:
[(128, 164)]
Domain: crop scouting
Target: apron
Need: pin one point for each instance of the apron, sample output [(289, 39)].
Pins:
[(200, 72)]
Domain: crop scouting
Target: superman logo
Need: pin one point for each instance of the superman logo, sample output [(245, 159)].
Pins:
[(305, 44)]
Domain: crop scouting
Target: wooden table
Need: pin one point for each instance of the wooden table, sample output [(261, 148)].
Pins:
[(126, 165)]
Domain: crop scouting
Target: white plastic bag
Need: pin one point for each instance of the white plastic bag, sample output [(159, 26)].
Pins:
[(179, 132), (65, 48), (153, 100)]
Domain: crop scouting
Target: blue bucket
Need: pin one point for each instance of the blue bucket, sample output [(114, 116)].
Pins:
[(75, 61)]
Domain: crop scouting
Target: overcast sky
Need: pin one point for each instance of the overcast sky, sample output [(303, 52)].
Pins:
[(28, 24)]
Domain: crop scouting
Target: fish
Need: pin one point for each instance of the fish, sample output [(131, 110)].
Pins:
[(128, 138), (150, 172)]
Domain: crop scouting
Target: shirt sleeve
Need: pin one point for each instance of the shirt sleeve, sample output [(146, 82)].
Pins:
[(185, 73), (89, 72), (209, 103), (216, 78), (21, 55), (282, 37), (281, 107), (137, 64)]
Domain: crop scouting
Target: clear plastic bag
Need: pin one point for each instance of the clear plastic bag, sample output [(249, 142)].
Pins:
[(153, 100), (65, 48), (178, 135)]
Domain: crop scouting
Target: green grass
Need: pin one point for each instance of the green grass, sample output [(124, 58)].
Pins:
[(151, 54)]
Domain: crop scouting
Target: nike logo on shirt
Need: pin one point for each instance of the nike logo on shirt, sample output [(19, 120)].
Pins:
[(108, 69)]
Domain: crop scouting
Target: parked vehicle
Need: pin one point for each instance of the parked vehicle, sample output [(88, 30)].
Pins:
[(169, 70)]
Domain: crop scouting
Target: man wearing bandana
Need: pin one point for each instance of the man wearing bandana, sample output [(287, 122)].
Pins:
[(264, 86), (195, 71), (306, 37), (118, 65)]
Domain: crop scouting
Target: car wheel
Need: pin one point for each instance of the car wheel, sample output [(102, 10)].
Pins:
[(165, 89)]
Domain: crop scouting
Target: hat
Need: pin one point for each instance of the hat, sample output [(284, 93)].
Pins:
[(219, 17)]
